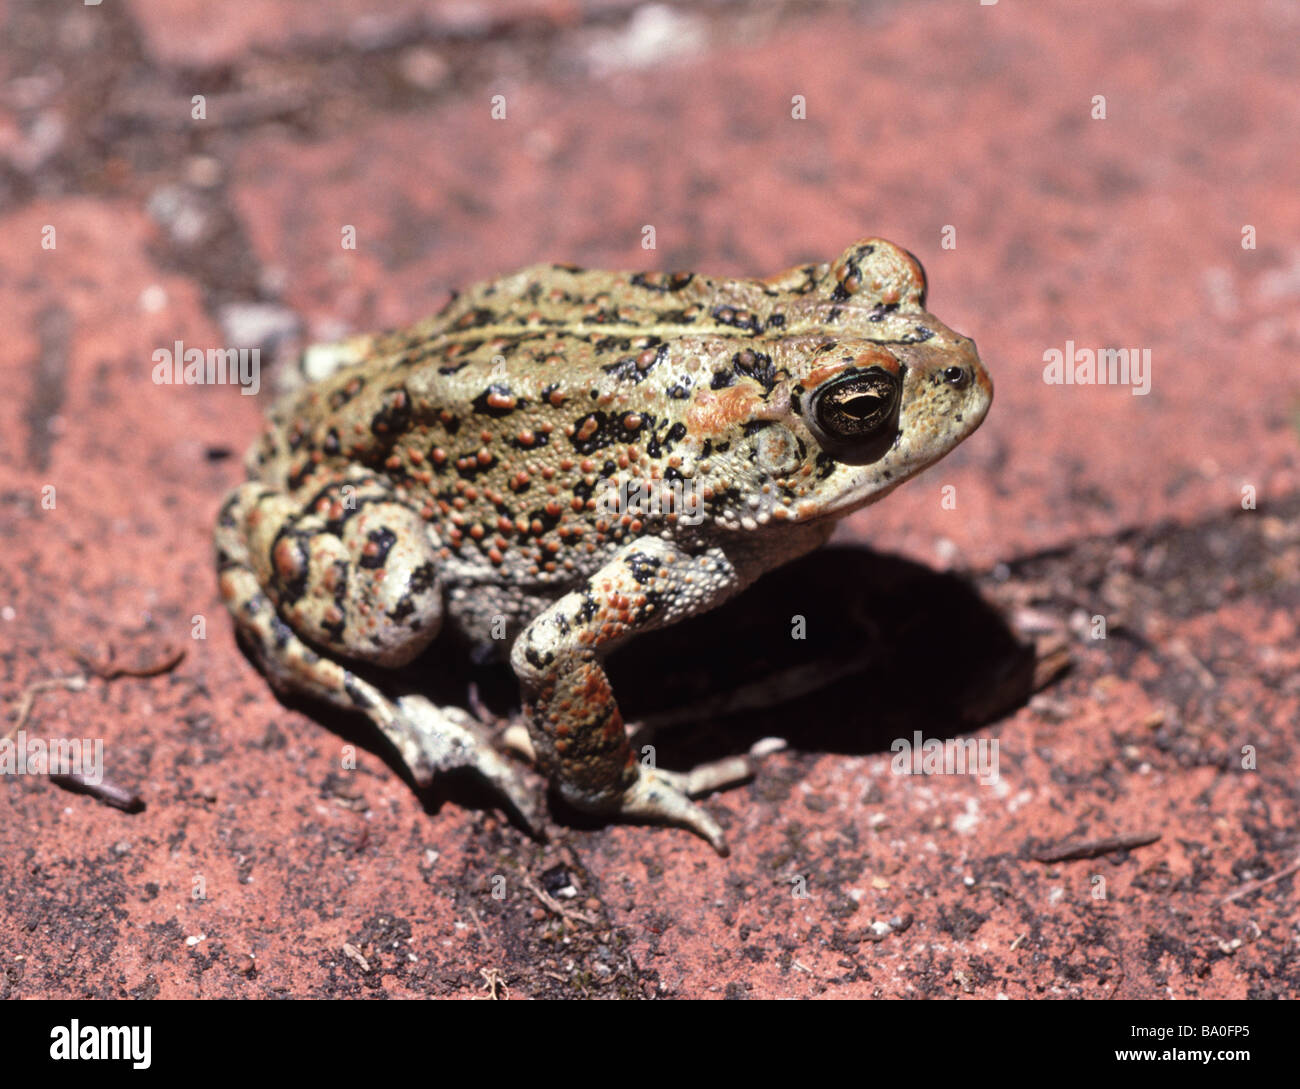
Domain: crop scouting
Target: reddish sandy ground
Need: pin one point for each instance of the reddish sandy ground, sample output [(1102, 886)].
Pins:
[(259, 867)]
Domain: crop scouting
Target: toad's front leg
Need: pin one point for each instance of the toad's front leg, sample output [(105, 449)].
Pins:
[(573, 718)]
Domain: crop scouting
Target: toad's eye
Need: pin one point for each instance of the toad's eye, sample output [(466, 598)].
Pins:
[(856, 406), (957, 377)]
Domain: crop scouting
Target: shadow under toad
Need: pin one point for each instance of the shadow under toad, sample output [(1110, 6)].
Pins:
[(843, 650)]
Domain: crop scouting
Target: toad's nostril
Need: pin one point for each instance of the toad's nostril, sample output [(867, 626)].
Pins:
[(957, 377)]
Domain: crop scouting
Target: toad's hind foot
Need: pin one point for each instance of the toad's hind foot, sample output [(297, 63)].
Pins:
[(433, 739), (428, 739)]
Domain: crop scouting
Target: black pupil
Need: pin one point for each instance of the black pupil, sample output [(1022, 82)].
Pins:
[(860, 404)]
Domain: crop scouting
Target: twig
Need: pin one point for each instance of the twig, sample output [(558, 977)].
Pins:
[(25, 701), (1255, 886), (481, 932), (106, 791), (109, 669), (554, 905), (1119, 979), (1178, 649), (354, 954), (1091, 848), (495, 985)]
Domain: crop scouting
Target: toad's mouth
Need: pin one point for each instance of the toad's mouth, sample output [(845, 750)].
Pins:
[(869, 482)]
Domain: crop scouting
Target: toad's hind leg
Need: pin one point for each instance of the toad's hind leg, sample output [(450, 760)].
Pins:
[(354, 576)]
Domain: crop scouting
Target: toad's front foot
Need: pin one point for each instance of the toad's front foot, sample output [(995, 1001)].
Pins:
[(576, 729), (666, 796)]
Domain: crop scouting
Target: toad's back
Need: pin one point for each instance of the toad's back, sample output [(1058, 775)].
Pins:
[(501, 416)]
